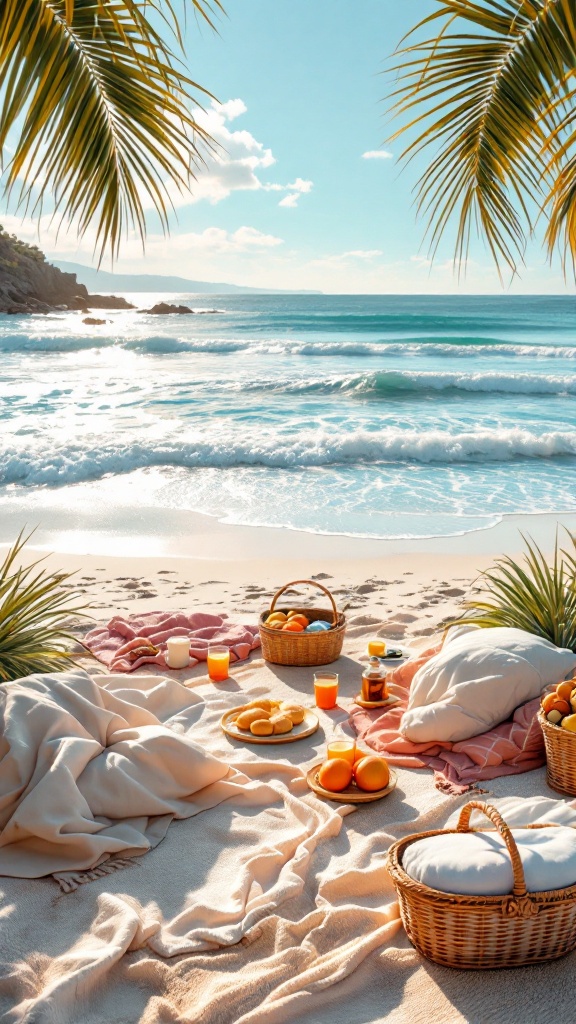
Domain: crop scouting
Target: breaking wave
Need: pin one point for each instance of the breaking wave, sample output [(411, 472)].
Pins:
[(74, 463)]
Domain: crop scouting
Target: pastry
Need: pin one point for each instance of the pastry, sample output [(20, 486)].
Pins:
[(245, 718), (281, 723), (262, 727), (294, 711), (264, 703)]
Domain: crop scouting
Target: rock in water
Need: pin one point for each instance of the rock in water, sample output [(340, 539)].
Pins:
[(163, 308), (93, 321), (28, 284)]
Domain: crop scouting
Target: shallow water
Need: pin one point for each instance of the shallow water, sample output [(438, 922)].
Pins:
[(365, 415)]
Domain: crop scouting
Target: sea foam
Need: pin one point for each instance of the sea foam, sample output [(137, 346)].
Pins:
[(73, 463)]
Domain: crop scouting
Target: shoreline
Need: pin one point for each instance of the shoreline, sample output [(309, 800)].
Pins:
[(403, 590), (197, 536)]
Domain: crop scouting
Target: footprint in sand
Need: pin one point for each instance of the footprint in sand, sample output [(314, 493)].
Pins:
[(406, 617), (452, 592), (394, 630), (322, 576), (365, 588), (364, 620)]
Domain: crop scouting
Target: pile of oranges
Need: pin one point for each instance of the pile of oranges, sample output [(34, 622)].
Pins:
[(560, 705), (293, 622), (370, 773)]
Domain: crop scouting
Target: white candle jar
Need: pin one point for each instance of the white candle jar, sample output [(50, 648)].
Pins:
[(178, 651)]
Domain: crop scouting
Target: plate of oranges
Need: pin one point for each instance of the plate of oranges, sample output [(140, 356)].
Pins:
[(369, 778)]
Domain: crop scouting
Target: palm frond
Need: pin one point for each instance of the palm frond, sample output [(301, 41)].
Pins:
[(102, 110), (33, 612), (535, 596), (489, 93)]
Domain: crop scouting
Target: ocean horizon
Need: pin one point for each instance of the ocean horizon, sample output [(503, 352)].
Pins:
[(362, 416)]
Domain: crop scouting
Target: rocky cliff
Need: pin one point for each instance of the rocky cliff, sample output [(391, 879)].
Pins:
[(29, 284)]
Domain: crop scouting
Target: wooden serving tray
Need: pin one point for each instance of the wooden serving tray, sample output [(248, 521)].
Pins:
[(376, 703), (298, 732), (350, 795)]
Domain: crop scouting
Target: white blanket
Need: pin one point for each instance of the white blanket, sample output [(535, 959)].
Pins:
[(279, 915), (87, 771)]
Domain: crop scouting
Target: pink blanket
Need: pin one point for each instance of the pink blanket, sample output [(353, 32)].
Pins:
[(112, 643), (510, 748)]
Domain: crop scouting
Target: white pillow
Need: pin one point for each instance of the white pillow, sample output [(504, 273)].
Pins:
[(478, 863), (477, 680)]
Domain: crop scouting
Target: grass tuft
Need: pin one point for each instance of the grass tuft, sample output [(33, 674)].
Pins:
[(33, 612)]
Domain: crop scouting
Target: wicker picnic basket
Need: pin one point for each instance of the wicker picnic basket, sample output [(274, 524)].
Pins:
[(305, 649), (560, 756), (484, 932)]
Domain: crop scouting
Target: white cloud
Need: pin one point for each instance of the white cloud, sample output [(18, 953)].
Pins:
[(216, 240), (291, 200), (235, 162), (377, 154), (212, 241), (298, 188), (299, 185), (363, 254)]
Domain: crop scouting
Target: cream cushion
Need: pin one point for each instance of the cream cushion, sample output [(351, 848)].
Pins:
[(477, 680), (478, 864)]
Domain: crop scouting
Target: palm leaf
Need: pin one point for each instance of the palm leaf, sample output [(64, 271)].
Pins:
[(535, 596), (101, 109), (490, 94), (33, 613)]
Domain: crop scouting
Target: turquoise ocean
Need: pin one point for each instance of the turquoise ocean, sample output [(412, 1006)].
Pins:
[(374, 416)]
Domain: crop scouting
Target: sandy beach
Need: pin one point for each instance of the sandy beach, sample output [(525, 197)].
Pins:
[(406, 588)]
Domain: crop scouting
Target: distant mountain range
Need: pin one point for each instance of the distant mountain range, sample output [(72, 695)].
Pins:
[(101, 281)]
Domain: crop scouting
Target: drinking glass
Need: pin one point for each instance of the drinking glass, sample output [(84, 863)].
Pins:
[(326, 689), (218, 663), (341, 745), (377, 648)]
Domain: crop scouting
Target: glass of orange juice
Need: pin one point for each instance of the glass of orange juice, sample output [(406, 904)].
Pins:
[(377, 648), (326, 689), (341, 745), (218, 663)]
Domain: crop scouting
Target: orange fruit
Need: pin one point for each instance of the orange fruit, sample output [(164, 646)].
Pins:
[(275, 624), (293, 627), (551, 702), (564, 690), (335, 774), (548, 701), (297, 617), (372, 773)]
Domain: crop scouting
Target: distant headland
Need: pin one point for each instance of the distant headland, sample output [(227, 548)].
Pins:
[(102, 279)]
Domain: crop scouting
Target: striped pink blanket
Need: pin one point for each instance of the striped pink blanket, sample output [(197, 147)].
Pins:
[(114, 642), (513, 747)]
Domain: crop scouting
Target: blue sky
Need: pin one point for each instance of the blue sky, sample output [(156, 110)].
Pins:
[(303, 98)]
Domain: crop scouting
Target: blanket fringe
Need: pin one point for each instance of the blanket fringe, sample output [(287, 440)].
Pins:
[(70, 880)]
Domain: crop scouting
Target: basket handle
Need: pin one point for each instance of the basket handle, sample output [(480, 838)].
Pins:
[(519, 889), (313, 583)]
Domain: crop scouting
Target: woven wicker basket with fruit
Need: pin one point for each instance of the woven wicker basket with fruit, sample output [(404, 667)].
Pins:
[(302, 636), (558, 720)]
